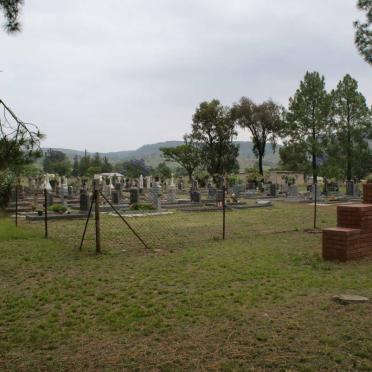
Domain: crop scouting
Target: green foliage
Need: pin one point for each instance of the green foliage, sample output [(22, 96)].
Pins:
[(186, 155), (106, 167), (162, 171), (56, 162), (363, 31), (57, 208), (213, 131), (351, 123), (84, 164), (7, 180), (134, 168), (75, 167), (308, 118), (11, 10), (294, 157), (264, 122)]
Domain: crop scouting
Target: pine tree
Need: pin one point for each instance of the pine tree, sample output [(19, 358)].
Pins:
[(308, 118), (363, 34), (351, 124), (75, 166)]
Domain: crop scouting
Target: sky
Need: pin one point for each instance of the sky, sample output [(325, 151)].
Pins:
[(114, 75)]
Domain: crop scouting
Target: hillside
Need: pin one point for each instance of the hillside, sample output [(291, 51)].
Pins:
[(152, 155)]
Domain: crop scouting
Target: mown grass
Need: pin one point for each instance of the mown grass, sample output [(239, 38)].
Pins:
[(259, 300)]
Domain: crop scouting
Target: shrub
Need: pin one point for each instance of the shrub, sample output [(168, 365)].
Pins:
[(57, 208), (7, 179)]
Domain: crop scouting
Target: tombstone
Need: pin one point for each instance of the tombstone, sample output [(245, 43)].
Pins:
[(312, 192), (250, 186), (236, 190), (84, 200), (133, 196), (219, 196), (194, 185), (195, 196), (118, 187), (284, 188), (62, 195), (140, 183), (171, 195), (70, 190), (154, 196), (50, 200), (115, 197), (272, 190), (212, 192), (180, 184), (292, 191), (350, 188)]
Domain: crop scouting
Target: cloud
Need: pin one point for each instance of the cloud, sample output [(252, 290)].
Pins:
[(117, 74)]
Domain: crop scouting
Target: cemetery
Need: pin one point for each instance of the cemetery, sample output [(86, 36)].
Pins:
[(146, 225)]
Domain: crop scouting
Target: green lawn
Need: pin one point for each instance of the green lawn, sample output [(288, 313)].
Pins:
[(259, 300)]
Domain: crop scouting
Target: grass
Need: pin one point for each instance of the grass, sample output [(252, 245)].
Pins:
[(259, 300)]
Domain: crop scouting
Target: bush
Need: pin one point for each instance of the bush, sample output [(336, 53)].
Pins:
[(7, 179), (57, 208), (141, 207)]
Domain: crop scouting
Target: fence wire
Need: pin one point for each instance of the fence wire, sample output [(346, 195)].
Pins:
[(172, 227)]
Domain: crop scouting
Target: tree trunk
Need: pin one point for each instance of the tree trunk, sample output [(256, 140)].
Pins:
[(349, 144), (260, 166), (315, 171)]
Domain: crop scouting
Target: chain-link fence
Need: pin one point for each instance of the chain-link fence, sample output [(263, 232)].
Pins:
[(138, 222)]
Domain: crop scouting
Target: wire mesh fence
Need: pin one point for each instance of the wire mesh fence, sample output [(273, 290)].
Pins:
[(142, 223)]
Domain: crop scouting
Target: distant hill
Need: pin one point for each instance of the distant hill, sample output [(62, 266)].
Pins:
[(152, 155)]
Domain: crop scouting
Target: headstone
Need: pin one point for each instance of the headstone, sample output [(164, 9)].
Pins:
[(154, 196), (84, 200), (133, 196), (292, 191), (350, 188), (115, 197), (273, 190), (212, 193), (219, 196), (50, 200), (195, 196), (318, 192), (171, 195), (140, 182), (70, 190)]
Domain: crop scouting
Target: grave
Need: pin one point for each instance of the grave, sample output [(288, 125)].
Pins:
[(352, 238), (84, 200), (115, 197), (133, 196)]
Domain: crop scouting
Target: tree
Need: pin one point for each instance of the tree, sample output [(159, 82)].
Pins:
[(264, 122), (106, 166), (11, 10), (56, 162), (162, 171), (186, 155), (213, 131), (363, 31), (75, 167), (308, 118), (294, 157), (19, 141), (351, 125), (134, 168), (84, 165)]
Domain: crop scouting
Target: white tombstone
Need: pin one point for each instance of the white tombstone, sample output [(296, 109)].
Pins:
[(140, 182), (47, 186)]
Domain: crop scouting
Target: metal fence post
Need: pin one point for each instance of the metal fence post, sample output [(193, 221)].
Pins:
[(97, 217), (46, 212), (315, 203), (16, 204), (223, 212)]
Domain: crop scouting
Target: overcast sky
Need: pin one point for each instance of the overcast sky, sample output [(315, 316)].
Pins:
[(117, 74)]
